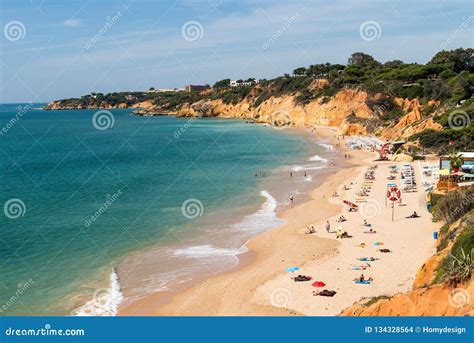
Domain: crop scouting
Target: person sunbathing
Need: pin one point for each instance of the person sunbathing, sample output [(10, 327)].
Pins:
[(310, 230), (342, 234), (367, 224), (414, 215), (302, 278), (325, 293), (360, 267), (362, 278), (341, 219), (367, 259)]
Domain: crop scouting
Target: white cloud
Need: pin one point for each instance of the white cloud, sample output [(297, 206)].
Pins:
[(72, 23)]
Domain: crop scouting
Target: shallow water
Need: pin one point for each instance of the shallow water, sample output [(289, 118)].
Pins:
[(159, 198)]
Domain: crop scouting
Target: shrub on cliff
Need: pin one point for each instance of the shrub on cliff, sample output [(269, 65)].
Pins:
[(454, 205)]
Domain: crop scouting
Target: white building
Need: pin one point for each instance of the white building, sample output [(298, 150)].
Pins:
[(234, 83)]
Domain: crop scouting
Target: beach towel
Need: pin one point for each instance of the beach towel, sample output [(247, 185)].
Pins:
[(378, 243), (292, 269), (365, 282), (370, 231), (367, 259)]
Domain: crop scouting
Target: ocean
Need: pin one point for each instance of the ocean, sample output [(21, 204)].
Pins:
[(103, 208)]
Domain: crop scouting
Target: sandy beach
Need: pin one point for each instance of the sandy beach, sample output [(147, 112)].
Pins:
[(260, 284)]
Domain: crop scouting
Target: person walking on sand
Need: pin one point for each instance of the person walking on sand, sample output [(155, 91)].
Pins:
[(292, 199), (328, 226), (291, 174)]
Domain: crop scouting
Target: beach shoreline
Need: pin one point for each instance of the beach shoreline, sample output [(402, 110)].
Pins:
[(259, 285), (295, 217)]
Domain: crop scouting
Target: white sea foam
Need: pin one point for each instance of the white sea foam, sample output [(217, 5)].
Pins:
[(307, 167), (327, 146), (317, 158), (105, 301), (308, 178), (200, 251), (264, 218)]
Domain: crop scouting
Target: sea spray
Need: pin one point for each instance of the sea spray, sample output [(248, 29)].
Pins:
[(105, 301)]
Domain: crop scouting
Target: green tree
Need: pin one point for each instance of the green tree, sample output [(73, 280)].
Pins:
[(361, 59), (222, 83), (299, 71)]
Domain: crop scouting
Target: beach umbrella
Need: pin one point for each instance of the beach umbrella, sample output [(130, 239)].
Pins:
[(292, 269), (318, 284)]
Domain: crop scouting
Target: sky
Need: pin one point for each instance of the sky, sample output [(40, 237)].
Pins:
[(59, 49)]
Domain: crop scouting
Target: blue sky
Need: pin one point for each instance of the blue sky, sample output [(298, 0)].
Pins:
[(140, 44)]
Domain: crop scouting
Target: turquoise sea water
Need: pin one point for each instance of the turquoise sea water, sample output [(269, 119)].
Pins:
[(78, 200)]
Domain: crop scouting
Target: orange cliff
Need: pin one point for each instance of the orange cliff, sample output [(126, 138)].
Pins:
[(283, 110)]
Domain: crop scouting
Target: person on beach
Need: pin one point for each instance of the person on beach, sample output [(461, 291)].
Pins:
[(328, 226), (291, 174), (305, 174), (292, 199)]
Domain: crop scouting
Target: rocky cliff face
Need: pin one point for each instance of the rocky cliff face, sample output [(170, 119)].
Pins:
[(284, 110), (412, 122)]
